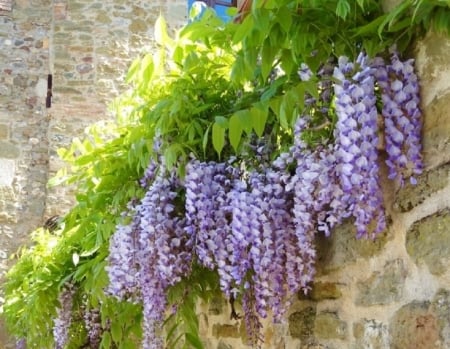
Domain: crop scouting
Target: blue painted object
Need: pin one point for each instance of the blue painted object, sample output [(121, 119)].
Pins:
[(220, 10)]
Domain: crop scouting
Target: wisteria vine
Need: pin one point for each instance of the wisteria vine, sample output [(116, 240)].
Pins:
[(256, 225)]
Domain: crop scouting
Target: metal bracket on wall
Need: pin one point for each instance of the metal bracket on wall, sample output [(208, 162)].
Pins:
[(48, 101)]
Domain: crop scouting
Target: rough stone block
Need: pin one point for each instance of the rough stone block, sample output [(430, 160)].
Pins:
[(4, 131), (343, 248), (440, 306), (428, 183), (436, 140), (60, 11), (226, 331), (223, 345), (428, 241), (301, 323), (7, 172), (328, 326), (216, 305), (371, 334), (323, 290), (383, 288), (414, 326)]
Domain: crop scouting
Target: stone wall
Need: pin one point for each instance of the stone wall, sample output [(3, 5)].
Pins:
[(393, 292), (24, 121), (86, 46)]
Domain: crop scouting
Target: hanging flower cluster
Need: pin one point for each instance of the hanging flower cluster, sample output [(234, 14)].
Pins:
[(93, 325), (64, 317), (256, 226)]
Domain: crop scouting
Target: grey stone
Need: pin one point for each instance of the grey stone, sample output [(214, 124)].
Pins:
[(428, 183), (371, 334), (5, 90), (436, 145), (84, 68), (428, 241), (138, 26), (383, 287), (7, 172), (440, 306), (343, 248), (20, 81), (8, 150), (414, 326)]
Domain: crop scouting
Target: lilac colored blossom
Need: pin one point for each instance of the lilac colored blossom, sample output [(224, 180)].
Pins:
[(64, 317), (305, 72), (122, 265), (163, 255), (262, 248), (207, 208), (149, 174), (201, 207), (245, 227), (151, 253), (356, 142), (402, 117), (92, 322), (21, 344), (325, 87)]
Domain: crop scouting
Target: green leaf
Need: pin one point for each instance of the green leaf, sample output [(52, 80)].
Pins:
[(133, 70), (267, 58), (235, 131), (205, 139), (284, 18), (106, 341), (116, 331), (172, 155), (342, 9), (194, 340), (275, 105), (361, 4), (394, 15), (287, 61), (245, 119), (371, 27), (222, 121), (161, 36), (259, 114), (243, 29), (178, 55), (218, 137)]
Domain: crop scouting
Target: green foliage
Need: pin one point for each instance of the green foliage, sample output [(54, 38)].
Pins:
[(208, 91)]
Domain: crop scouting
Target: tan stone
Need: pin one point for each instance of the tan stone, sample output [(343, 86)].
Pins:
[(60, 11), (4, 131), (436, 130), (414, 327)]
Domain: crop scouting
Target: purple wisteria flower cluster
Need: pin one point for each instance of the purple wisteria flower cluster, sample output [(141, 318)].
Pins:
[(93, 325), (401, 116), (356, 139), (151, 253), (256, 225), (62, 322)]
